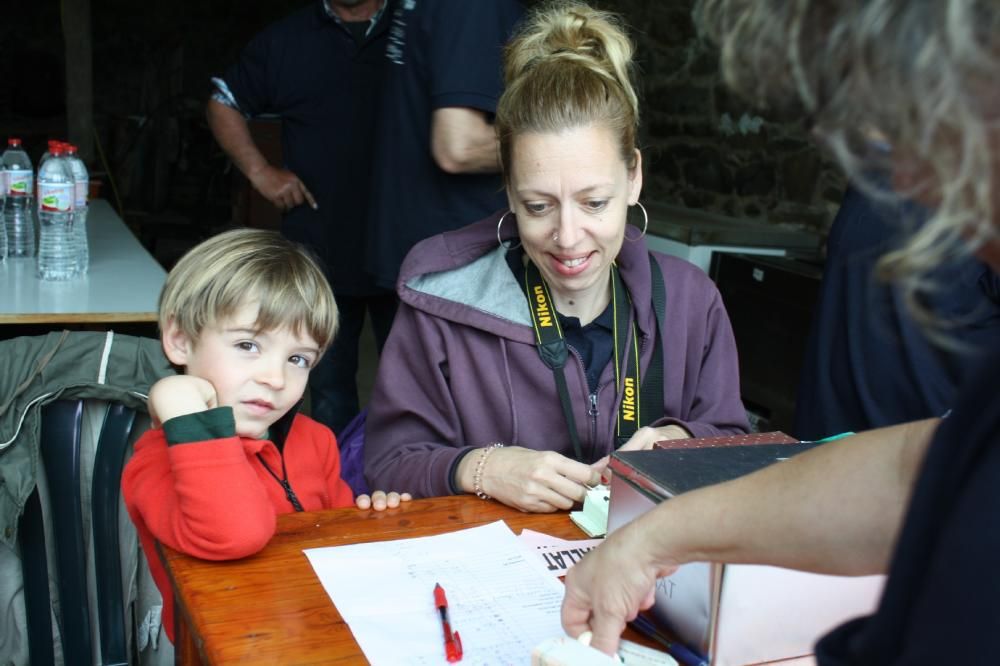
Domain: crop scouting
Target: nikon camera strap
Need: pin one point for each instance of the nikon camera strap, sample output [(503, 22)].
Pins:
[(640, 403)]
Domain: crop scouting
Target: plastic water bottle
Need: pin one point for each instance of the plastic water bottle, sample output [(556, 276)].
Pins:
[(52, 143), (3, 227), (81, 187), (19, 186), (57, 250)]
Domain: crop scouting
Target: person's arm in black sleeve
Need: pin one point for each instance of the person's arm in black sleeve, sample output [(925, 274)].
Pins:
[(247, 89)]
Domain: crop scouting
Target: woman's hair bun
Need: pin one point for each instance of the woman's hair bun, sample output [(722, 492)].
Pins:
[(569, 65), (565, 31)]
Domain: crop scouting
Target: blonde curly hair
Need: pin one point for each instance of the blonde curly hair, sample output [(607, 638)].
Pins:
[(921, 73)]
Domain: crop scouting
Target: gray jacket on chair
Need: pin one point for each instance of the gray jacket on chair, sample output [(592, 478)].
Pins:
[(34, 371), (37, 370)]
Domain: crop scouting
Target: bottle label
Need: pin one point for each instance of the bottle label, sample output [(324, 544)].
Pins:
[(82, 191), (55, 197), (20, 182)]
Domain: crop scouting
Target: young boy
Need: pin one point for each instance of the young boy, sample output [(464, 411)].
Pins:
[(246, 314)]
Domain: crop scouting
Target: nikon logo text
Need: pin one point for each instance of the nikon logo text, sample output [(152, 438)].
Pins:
[(628, 402), (542, 307)]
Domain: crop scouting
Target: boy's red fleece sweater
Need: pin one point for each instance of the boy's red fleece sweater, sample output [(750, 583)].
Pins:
[(215, 500)]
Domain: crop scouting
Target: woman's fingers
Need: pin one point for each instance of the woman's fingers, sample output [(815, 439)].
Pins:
[(538, 481), (564, 482)]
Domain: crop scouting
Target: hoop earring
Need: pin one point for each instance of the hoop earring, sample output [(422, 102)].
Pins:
[(645, 224), (499, 240)]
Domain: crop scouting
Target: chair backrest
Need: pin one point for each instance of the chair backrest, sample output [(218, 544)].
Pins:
[(63, 462)]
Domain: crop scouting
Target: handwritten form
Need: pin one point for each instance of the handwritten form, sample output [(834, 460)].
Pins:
[(502, 599)]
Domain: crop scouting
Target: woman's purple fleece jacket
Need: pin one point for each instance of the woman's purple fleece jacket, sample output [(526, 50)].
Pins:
[(460, 369)]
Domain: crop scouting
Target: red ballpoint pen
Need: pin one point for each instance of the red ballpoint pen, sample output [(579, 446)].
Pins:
[(452, 642)]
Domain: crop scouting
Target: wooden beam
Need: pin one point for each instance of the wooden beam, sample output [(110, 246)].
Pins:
[(79, 76)]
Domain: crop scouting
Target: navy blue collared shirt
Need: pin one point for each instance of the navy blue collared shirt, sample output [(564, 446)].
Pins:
[(312, 71)]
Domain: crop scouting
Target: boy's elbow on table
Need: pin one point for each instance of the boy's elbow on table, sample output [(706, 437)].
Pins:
[(245, 538)]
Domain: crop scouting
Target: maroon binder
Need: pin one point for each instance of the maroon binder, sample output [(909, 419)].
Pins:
[(775, 437)]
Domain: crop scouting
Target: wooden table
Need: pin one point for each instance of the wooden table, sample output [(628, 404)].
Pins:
[(122, 286), (272, 609)]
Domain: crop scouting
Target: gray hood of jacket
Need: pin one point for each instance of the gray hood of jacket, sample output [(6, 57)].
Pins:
[(461, 370), (462, 276)]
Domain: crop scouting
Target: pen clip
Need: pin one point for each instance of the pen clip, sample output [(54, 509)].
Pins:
[(453, 648)]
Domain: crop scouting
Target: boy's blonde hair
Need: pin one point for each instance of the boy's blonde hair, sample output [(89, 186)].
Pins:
[(224, 273)]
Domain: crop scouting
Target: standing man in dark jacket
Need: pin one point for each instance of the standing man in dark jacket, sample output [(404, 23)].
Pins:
[(320, 70), (436, 164)]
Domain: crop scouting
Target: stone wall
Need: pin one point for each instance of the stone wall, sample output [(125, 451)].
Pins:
[(707, 148), (703, 147)]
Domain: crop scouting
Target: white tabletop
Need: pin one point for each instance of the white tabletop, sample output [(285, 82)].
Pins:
[(123, 283)]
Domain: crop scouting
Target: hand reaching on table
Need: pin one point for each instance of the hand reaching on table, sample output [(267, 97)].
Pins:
[(611, 585), (646, 436), (380, 500), (643, 440)]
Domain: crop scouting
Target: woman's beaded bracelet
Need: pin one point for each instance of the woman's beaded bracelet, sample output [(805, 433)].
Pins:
[(477, 477)]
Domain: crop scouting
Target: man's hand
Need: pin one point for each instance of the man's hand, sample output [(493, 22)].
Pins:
[(178, 395), (281, 187), (609, 587)]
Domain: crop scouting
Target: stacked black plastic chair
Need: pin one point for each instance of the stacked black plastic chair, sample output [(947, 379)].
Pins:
[(61, 455)]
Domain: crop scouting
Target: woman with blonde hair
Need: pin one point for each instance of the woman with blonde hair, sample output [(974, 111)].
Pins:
[(919, 501), (530, 345)]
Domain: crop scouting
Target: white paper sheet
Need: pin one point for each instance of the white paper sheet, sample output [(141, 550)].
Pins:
[(501, 598)]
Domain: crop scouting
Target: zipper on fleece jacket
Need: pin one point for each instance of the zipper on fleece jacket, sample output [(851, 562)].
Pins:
[(592, 396), (593, 419), (593, 412)]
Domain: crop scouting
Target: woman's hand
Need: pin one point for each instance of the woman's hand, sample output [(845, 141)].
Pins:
[(380, 500), (179, 395), (532, 481), (646, 436), (642, 440)]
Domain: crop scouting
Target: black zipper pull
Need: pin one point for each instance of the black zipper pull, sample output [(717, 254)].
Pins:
[(290, 494), (283, 482)]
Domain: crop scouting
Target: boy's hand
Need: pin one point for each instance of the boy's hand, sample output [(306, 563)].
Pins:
[(179, 395), (380, 500)]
